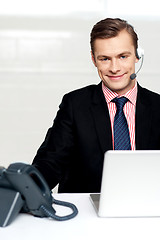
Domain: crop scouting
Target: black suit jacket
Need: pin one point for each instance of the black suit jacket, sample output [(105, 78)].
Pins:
[(73, 151)]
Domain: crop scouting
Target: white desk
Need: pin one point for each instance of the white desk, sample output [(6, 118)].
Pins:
[(86, 225)]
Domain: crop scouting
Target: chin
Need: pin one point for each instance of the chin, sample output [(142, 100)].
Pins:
[(121, 89), (120, 86)]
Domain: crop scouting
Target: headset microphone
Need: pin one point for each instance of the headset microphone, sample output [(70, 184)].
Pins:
[(139, 55), (133, 76)]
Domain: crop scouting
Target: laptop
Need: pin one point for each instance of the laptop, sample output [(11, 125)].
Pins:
[(130, 185)]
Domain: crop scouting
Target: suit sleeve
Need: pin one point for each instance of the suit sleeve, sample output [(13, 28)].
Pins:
[(53, 157)]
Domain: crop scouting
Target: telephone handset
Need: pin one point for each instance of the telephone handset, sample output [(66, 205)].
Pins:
[(23, 189)]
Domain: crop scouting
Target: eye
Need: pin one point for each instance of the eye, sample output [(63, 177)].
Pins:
[(123, 57), (104, 59)]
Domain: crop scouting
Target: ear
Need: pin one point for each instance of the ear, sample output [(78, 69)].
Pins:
[(136, 60), (93, 59)]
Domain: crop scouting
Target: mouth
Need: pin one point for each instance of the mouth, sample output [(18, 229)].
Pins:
[(116, 77)]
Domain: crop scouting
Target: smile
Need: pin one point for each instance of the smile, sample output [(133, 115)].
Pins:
[(117, 77)]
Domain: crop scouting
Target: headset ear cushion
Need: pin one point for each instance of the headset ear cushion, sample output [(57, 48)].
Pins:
[(139, 52)]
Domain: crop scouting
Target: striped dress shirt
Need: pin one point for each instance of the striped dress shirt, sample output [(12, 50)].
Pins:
[(129, 110)]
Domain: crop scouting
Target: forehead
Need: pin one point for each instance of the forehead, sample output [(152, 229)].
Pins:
[(121, 43)]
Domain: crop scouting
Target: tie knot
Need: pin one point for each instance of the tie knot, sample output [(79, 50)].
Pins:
[(120, 102)]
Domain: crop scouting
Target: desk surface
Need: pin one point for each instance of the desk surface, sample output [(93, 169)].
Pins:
[(86, 225)]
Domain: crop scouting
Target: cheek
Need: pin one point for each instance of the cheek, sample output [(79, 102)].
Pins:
[(101, 72), (131, 64), (102, 67)]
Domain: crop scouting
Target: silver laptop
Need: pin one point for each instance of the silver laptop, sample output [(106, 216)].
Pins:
[(130, 185)]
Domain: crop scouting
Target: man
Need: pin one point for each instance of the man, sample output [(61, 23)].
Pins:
[(84, 129)]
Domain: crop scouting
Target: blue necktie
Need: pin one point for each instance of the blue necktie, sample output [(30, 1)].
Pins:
[(121, 131)]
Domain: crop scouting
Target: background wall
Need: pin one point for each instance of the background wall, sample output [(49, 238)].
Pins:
[(44, 56)]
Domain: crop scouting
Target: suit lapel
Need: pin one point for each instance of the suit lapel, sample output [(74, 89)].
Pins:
[(143, 120), (101, 117)]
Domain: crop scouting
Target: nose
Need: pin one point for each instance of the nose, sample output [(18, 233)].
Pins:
[(114, 66)]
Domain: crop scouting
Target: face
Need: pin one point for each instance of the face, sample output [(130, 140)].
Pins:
[(115, 61)]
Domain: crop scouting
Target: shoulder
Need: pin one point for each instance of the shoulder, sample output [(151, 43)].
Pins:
[(147, 93), (148, 96), (84, 90), (84, 94)]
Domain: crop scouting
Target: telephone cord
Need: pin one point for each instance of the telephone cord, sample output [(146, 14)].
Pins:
[(48, 213)]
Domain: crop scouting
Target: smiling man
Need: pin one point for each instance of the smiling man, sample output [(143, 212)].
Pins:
[(115, 114), (115, 60)]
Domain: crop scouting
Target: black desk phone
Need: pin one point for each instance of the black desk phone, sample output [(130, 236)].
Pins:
[(23, 189)]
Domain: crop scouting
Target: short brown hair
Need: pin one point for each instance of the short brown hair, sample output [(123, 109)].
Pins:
[(110, 27)]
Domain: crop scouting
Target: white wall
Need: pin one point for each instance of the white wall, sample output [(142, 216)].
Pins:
[(42, 58)]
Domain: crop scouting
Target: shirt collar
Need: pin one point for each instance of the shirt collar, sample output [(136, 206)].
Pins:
[(110, 95)]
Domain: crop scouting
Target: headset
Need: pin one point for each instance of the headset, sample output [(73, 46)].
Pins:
[(139, 55)]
